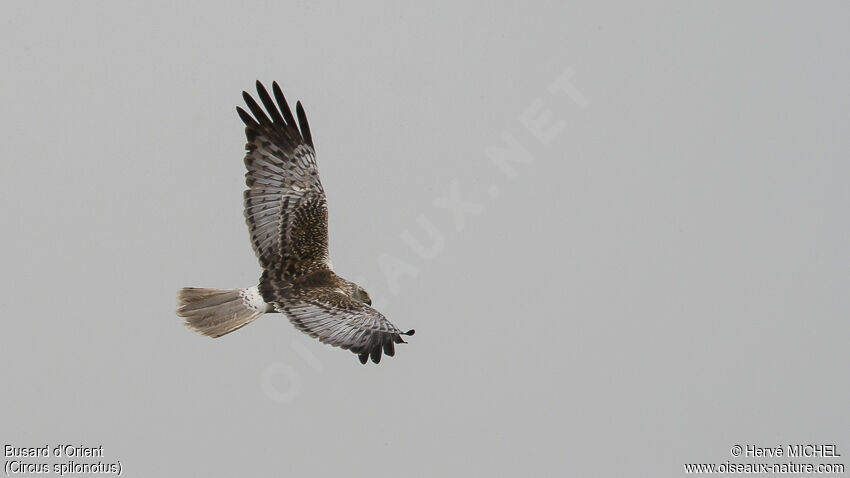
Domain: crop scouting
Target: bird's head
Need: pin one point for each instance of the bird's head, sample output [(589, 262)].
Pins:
[(362, 295), (357, 293)]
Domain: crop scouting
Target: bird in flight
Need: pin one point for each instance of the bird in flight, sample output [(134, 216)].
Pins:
[(287, 216)]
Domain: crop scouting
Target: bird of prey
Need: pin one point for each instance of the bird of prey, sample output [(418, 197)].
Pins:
[(287, 217)]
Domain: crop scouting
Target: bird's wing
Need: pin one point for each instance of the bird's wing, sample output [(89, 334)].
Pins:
[(336, 319), (285, 206)]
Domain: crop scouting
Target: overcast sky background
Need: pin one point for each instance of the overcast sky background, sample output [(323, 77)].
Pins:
[(665, 276)]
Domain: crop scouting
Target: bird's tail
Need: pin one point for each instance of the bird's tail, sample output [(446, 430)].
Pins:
[(215, 312)]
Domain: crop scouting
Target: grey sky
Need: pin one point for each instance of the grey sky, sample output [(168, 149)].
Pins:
[(663, 276)]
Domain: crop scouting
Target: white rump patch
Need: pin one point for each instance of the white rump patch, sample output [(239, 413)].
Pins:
[(252, 299)]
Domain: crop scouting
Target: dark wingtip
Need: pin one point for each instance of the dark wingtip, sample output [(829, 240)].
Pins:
[(269, 104), (245, 117), (376, 354), (363, 358), (282, 104), (305, 126), (410, 332), (258, 112)]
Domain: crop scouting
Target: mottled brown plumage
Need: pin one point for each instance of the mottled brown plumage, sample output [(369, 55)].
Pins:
[(287, 216)]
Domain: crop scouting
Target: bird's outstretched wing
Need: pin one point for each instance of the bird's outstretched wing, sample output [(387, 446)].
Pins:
[(336, 319), (285, 206)]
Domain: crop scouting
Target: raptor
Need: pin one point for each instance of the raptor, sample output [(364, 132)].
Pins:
[(287, 216)]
